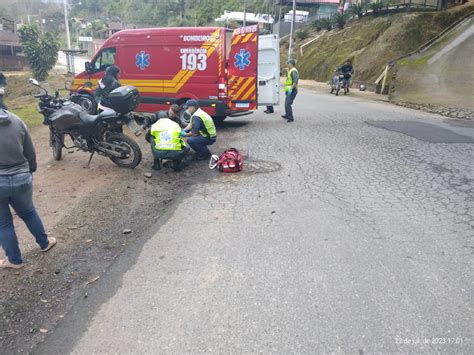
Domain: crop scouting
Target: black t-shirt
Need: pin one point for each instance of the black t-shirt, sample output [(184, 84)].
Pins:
[(347, 69)]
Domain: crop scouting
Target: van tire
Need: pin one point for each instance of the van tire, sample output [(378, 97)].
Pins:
[(219, 119), (183, 118), (87, 102)]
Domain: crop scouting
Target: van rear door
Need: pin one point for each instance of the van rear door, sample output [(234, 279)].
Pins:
[(242, 69), (268, 70)]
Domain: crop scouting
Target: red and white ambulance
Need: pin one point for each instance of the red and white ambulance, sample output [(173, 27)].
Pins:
[(216, 66)]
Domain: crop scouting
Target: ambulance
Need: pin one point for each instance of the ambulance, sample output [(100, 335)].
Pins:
[(230, 73)]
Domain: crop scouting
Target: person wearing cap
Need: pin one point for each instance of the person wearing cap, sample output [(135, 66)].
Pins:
[(201, 130), (166, 140), (3, 83), (291, 90), (17, 164)]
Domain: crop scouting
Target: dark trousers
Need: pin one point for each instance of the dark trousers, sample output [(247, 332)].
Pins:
[(175, 155), (2, 104), (288, 102), (199, 144)]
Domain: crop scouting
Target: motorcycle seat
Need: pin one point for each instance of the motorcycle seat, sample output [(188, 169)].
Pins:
[(89, 119)]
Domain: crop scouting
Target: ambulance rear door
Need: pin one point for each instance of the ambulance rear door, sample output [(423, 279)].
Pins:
[(268, 70), (242, 69)]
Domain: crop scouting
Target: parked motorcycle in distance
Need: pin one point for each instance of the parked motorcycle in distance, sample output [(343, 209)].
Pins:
[(99, 134)]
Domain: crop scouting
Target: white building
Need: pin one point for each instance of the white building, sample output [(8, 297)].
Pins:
[(250, 18)]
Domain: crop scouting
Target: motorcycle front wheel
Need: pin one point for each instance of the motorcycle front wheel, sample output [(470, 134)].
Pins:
[(129, 149), (56, 141)]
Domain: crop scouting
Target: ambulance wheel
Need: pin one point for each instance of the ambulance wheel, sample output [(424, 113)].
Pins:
[(184, 118), (88, 104), (219, 119)]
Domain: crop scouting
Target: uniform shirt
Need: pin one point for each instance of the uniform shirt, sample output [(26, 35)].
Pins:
[(198, 125), (294, 77)]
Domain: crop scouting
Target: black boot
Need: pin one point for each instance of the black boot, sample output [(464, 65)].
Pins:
[(156, 164), (177, 166)]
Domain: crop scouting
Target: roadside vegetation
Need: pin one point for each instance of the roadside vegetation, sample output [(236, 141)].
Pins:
[(370, 42), (19, 96)]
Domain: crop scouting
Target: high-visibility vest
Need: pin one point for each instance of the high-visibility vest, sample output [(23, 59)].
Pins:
[(208, 123), (289, 80), (167, 135)]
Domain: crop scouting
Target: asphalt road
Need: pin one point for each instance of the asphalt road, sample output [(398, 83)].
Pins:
[(341, 236)]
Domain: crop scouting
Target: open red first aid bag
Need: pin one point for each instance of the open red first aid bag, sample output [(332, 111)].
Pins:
[(231, 161)]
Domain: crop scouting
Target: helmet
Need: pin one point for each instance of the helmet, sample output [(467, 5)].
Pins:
[(362, 87), (213, 162), (192, 103)]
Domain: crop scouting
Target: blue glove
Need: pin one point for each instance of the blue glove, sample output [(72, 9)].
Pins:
[(290, 91), (183, 133)]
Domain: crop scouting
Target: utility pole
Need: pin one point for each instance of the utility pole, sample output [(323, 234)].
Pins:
[(292, 30), (66, 21), (245, 12)]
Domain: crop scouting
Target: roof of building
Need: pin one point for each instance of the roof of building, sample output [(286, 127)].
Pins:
[(8, 38)]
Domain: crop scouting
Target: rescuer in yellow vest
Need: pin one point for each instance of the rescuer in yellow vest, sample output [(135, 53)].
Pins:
[(167, 142), (201, 130), (291, 90)]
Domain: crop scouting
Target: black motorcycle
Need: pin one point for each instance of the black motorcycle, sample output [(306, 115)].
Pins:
[(99, 134)]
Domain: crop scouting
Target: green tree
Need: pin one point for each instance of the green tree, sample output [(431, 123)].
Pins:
[(339, 20), (376, 7), (302, 34), (317, 25), (41, 50), (357, 10), (326, 23)]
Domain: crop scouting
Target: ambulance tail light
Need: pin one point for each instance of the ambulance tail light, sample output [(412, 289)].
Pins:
[(222, 93)]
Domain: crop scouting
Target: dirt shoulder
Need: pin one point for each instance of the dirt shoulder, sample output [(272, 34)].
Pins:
[(87, 210)]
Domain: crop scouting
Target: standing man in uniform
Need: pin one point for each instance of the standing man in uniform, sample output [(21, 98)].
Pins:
[(201, 130), (291, 90)]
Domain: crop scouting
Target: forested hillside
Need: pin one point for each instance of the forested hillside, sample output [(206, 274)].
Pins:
[(145, 12)]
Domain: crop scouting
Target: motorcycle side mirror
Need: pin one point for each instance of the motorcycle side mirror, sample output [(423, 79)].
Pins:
[(67, 85), (34, 82), (88, 67)]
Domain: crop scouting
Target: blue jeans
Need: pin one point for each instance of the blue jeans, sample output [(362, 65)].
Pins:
[(199, 144), (17, 191)]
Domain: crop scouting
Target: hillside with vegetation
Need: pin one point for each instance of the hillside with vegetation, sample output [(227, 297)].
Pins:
[(370, 42), (144, 12)]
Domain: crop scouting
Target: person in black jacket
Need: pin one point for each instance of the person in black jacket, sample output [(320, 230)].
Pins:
[(17, 164), (3, 83), (108, 83)]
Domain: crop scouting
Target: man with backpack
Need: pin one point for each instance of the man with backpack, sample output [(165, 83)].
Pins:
[(201, 130)]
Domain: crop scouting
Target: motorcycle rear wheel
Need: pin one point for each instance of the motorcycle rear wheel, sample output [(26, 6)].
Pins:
[(56, 141), (132, 154)]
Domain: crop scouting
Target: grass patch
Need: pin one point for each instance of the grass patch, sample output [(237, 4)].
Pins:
[(20, 96), (28, 113)]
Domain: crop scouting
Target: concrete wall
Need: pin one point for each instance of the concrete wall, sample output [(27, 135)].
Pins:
[(9, 63)]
